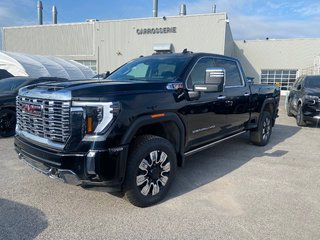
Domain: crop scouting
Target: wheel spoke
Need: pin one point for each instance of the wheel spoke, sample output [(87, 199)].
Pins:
[(141, 179), (166, 168), (163, 157), (155, 188), (144, 165), (163, 180), (154, 156), (146, 189)]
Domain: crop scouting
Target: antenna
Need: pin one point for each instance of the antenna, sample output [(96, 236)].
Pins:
[(214, 8)]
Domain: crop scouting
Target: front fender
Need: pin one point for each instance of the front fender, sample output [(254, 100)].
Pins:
[(147, 120)]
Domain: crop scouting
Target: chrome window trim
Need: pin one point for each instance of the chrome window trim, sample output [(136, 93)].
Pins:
[(241, 75)]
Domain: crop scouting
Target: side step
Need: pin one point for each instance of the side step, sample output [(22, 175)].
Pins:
[(211, 144)]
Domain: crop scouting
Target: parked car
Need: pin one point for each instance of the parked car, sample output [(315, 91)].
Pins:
[(9, 88), (5, 74), (130, 131), (303, 100)]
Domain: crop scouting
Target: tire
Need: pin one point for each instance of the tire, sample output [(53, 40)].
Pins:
[(7, 123), (299, 117), (289, 113), (151, 169), (261, 135)]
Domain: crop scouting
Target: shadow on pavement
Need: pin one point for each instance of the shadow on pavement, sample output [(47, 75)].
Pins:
[(216, 162), (19, 221)]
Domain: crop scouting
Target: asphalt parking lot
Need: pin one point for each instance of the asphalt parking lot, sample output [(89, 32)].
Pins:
[(232, 191)]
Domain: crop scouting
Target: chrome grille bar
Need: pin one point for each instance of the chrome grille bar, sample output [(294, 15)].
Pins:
[(48, 119)]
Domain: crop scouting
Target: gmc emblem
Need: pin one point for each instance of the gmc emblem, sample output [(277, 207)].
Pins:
[(34, 110)]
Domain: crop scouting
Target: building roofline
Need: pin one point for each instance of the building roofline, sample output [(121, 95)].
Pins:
[(274, 39), (117, 20)]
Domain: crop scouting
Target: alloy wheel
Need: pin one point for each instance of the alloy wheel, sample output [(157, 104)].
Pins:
[(266, 130), (153, 173)]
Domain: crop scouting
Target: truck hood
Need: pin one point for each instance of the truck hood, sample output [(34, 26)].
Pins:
[(93, 89)]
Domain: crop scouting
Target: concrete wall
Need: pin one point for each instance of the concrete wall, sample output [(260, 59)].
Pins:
[(59, 40), (229, 45), (276, 54), (113, 43)]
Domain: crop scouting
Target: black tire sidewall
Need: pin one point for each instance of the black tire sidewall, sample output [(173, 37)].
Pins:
[(299, 117), (257, 135), (265, 116), (140, 150), (288, 108), (7, 133)]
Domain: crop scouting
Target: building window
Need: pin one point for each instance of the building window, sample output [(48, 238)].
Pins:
[(284, 78), (89, 63)]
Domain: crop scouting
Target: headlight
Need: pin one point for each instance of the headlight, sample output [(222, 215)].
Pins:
[(311, 99), (97, 116)]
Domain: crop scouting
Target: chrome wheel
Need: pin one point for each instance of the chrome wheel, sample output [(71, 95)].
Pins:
[(153, 173), (151, 169)]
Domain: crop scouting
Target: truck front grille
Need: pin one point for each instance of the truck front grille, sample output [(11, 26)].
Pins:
[(49, 119)]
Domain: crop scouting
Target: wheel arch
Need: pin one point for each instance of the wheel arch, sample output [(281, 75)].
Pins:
[(170, 127), (13, 108), (269, 105)]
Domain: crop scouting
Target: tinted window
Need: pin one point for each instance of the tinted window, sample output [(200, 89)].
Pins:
[(297, 82), (162, 68), (198, 73), (139, 71), (9, 84), (233, 77), (312, 82)]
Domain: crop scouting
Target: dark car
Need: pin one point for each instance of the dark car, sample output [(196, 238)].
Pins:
[(5, 74), (303, 101), (9, 88)]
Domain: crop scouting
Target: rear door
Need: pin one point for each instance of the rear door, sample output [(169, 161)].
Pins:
[(236, 95)]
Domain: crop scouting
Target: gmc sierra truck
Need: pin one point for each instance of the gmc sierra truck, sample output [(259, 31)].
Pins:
[(131, 131)]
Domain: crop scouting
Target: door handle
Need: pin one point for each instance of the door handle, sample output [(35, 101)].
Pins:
[(246, 94), (221, 97)]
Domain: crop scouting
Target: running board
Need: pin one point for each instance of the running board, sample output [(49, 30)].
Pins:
[(211, 144)]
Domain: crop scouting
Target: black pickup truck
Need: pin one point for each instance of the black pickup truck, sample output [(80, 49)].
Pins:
[(130, 131)]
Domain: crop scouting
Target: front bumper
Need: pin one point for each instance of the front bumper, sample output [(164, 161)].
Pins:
[(100, 168), (311, 112)]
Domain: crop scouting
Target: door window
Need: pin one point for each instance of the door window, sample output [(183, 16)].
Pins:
[(198, 73), (233, 77)]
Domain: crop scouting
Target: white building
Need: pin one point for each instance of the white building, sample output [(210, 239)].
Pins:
[(105, 45)]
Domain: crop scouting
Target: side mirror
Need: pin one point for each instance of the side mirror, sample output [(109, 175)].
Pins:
[(106, 74), (250, 80), (299, 87), (214, 81)]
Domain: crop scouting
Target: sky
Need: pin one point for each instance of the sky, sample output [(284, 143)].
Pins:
[(249, 19)]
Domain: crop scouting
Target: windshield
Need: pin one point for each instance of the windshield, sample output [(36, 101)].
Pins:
[(10, 85), (312, 82), (165, 68)]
